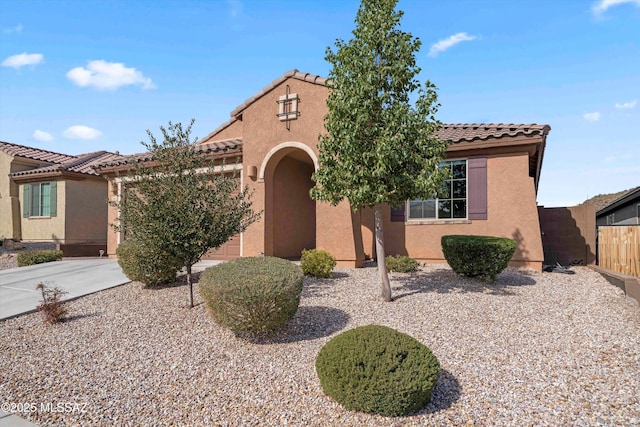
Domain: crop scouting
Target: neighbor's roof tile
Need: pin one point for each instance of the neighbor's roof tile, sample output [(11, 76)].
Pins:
[(17, 150), (81, 163)]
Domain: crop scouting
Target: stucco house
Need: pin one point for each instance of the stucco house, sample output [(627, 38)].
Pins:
[(52, 197), (272, 138)]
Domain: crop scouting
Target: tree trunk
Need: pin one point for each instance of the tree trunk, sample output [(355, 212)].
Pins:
[(385, 287), (190, 285)]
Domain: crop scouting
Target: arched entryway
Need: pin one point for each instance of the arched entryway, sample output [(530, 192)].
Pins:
[(290, 213)]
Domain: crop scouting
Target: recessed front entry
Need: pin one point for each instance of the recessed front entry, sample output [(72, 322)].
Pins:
[(290, 213)]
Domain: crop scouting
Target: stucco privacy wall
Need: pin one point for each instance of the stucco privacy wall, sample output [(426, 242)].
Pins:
[(45, 229), (86, 224)]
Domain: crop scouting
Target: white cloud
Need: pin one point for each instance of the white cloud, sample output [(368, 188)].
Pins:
[(81, 132), (108, 75), (42, 136), (602, 6), (453, 40), (592, 117), (17, 29), (22, 59), (235, 8), (627, 105)]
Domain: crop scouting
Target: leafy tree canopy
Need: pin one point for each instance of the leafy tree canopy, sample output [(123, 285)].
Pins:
[(179, 202), (378, 146)]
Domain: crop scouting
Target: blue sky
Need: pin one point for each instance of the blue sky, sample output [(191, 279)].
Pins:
[(81, 76)]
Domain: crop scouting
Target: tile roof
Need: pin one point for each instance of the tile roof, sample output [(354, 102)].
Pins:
[(457, 133), (208, 147), (82, 163), (17, 150)]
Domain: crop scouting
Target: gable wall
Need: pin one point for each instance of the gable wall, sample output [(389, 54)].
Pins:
[(262, 132)]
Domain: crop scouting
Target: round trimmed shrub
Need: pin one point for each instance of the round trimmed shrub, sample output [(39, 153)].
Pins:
[(143, 263), (401, 264), (478, 256), (252, 294), (378, 370), (317, 263)]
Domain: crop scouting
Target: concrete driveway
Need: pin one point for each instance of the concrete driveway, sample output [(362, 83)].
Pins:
[(18, 292)]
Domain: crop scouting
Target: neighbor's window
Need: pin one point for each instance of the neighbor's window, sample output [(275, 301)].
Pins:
[(40, 199), (451, 200)]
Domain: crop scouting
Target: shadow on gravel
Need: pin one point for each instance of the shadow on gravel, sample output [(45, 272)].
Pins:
[(446, 281), (181, 281), (314, 287), (309, 323), (446, 392), (79, 316)]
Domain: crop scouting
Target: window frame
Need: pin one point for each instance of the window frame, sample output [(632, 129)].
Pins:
[(436, 218), (45, 199)]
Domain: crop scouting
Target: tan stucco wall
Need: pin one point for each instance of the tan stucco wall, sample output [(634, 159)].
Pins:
[(45, 229), (10, 212), (511, 212), (113, 238), (86, 212), (9, 225)]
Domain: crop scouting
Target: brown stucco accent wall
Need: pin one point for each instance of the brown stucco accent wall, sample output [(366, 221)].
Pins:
[(86, 212), (569, 234)]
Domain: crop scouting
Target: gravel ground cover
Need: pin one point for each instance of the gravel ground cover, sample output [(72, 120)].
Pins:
[(532, 349), (9, 259)]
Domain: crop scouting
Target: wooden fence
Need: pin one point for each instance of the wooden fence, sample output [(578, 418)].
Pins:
[(619, 248)]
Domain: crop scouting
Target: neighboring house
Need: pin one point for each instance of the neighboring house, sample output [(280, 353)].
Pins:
[(52, 197), (273, 139), (623, 211)]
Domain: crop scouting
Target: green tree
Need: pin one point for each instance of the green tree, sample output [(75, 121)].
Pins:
[(175, 202), (379, 147)]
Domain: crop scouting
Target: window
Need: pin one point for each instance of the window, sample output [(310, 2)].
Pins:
[(451, 200), (40, 199)]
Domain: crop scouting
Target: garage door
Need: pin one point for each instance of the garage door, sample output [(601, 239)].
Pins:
[(229, 250)]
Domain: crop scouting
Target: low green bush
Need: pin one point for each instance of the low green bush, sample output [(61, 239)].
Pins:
[(317, 263), (38, 257), (146, 264), (253, 294), (478, 256), (401, 264), (378, 370)]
